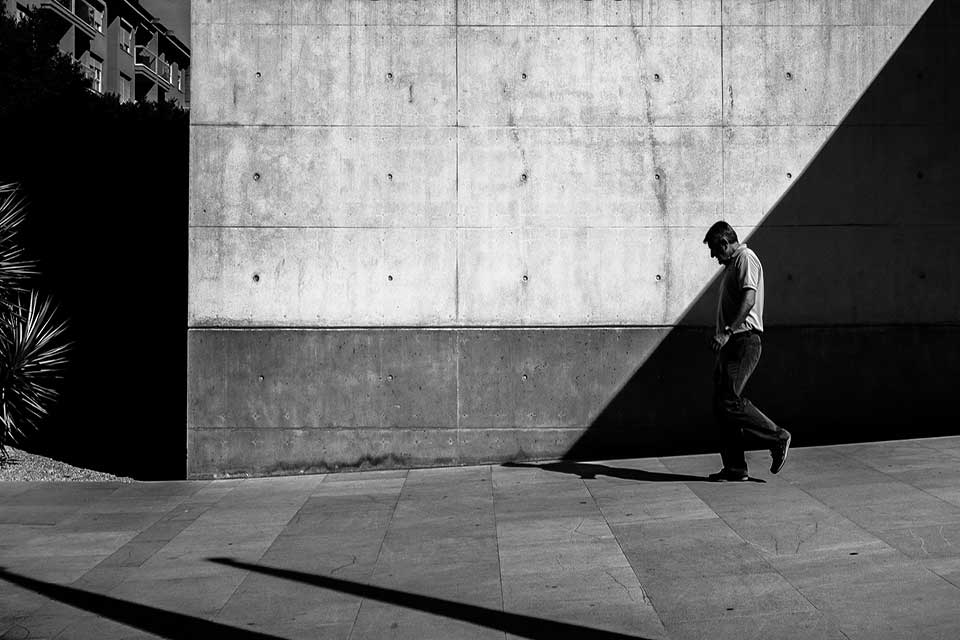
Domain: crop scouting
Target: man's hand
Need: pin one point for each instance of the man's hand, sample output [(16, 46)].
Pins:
[(721, 339)]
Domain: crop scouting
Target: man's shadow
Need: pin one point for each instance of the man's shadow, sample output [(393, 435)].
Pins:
[(591, 471)]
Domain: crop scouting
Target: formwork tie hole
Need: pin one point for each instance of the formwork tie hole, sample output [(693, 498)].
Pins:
[(656, 176), (523, 377), (390, 377), (523, 177), (260, 378), (256, 176), (523, 76), (789, 175), (525, 278), (390, 278), (656, 77), (259, 75), (659, 277), (389, 76), (789, 76), (256, 277), (389, 176)]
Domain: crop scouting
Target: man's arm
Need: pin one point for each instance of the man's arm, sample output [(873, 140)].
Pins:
[(749, 299)]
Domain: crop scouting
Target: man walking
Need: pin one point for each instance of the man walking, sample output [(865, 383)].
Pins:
[(737, 343)]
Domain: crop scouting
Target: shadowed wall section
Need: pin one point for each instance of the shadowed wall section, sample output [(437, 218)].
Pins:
[(455, 232), (861, 272)]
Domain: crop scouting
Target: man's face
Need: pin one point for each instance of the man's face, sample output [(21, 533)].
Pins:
[(720, 250)]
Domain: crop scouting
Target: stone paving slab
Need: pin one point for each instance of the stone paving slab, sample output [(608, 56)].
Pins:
[(852, 541)]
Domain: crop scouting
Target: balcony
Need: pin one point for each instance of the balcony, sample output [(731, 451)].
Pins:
[(93, 78), (163, 70), (78, 13), (146, 63)]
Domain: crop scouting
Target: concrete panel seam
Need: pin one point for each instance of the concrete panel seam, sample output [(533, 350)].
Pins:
[(723, 120), (548, 127), (516, 25), (337, 428), (797, 225), (456, 54), (564, 327)]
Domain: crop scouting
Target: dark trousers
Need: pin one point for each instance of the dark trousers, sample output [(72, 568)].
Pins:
[(740, 421)]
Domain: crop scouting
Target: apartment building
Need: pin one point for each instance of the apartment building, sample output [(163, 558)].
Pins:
[(122, 48)]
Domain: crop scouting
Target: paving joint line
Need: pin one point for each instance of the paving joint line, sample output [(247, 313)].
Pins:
[(247, 572), (616, 539), (916, 561), (161, 518), (386, 532), (758, 551), (912, 561), (898, 480), (767, 562), (496, 536)]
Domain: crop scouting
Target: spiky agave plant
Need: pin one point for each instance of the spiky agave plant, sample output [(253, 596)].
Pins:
[(32, 345), (15, 270), (32, 358)]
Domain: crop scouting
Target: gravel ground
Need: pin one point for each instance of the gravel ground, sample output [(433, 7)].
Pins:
[(21, 466)]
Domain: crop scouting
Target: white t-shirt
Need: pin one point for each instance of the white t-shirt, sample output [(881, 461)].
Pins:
[(743, 272)]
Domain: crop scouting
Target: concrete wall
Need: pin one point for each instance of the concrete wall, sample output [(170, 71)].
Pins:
[(444, 232)]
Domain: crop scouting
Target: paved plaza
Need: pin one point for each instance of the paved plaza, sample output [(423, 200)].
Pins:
[(853, 541)]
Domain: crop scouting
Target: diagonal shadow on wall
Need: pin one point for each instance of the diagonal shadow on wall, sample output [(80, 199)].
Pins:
[(862, 282)]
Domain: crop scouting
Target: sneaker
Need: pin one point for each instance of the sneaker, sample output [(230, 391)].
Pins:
[(728, 475), (780, 455)]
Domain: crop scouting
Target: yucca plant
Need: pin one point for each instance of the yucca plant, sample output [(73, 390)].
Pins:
[(32, 345), (15, 270)]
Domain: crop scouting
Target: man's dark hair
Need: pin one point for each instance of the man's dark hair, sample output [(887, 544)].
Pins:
[(720, 231)]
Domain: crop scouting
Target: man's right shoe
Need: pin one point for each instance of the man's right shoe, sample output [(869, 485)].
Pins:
[(779, 454), (728, 475)]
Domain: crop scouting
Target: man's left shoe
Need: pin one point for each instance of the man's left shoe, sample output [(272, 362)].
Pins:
[(780, 454), (728, 475)]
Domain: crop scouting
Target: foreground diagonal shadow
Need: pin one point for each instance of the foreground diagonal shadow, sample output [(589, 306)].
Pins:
[(512, 623), (862, 307), (166, 624)]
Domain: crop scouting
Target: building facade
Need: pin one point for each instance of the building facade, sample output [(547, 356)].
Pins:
[(454, 232), (121, 47)]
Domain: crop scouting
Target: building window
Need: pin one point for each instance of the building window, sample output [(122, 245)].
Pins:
[(94, 73), (126, 38), (21, 13), (126, 89), (179, 79), (97, 16)]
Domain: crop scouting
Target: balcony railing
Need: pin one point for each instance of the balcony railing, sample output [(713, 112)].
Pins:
[(88, 14), (92, 77), (163, 70), (146, 59), (82, 12)]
